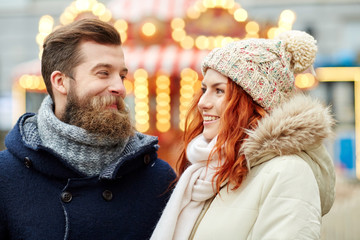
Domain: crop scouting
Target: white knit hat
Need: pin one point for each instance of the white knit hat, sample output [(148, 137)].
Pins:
[(265, 68)]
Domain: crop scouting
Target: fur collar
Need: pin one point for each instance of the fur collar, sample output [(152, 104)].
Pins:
[(300, 124)]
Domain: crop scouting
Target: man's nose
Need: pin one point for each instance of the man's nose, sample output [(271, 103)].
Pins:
[(117, 87)]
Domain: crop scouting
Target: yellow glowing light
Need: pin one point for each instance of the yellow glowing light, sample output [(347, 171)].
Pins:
[(163, 127), (40, 37), (141, 73), (288, 16), (226, 40), (193, 13), (271, 33), (178, 35), (46, 24), (64, 20), (202, 42), (306, 80), (188, 72), (177, 23), (229, 4), (148, 29), (106, 17), (240, 15), (99, 9), (82, 5), (218, 41), (252, 27), (163, 97), (123, 36), (128, 86), (142, 127), (208, 3), (121, 25), (187, 42)]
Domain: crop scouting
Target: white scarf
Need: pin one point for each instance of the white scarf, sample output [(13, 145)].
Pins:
[(194, 187)]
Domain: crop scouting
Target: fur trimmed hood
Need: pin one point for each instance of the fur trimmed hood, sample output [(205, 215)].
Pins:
[(299, 127)]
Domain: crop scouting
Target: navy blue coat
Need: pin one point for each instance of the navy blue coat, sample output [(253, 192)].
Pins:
[(43, 198)]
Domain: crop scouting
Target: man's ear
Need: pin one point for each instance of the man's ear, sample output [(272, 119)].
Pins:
[(59, 82)]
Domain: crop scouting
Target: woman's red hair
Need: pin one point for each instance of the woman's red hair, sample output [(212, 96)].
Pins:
[(241, 113)]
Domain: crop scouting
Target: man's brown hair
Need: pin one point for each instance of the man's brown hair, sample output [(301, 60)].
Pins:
[(61, 48)]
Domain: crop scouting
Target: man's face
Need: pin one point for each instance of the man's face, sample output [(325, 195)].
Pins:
[(95, 99)]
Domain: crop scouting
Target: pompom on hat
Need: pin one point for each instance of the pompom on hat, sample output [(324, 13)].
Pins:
[(265, 68)]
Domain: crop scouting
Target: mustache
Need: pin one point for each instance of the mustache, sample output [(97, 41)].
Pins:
[(104, 101)]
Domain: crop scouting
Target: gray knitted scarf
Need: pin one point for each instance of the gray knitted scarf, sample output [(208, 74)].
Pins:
[(81, 150)]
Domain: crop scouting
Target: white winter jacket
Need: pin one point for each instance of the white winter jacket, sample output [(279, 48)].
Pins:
[(290, 185)]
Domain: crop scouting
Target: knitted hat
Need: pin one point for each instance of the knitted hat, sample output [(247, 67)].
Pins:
[(264, 68)]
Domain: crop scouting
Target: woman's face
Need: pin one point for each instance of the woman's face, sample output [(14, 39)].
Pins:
[(211, 104)]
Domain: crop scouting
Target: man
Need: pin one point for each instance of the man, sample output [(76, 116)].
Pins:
[(78, 169)]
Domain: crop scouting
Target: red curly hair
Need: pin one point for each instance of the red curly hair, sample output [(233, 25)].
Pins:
[(241, 113)]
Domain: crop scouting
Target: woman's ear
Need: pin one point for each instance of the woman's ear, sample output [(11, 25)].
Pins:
[(59, 82)]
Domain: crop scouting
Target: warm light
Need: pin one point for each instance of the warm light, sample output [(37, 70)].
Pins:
[(202, 42), (240, 15), (128, 86), (99, 9), (229, 4), (288, 16), (82, 5), (106, 17), (178, 35), (141, 93), (208, 3), (46, 24), (140, 73), (163, 99), (226, 40), (188, 80), (192, 13), (187, 42), (305, 81), (252, 27), (177, 23), (218, 41), (271, 33), (148, 29)]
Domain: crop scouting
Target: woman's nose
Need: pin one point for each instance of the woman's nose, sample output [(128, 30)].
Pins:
[(204, 102)]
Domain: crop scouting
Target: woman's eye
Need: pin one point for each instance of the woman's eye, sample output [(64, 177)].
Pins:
[(203, 90), (219, 91), (123, 77)]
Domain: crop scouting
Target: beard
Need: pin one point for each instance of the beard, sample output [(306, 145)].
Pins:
[(94, 115)]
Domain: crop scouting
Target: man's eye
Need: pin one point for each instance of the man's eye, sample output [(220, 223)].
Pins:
[(103, 73)]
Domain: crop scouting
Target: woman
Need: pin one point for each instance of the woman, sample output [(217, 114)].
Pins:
[(253, 164)]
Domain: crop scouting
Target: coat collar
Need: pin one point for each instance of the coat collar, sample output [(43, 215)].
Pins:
[(300, 124)]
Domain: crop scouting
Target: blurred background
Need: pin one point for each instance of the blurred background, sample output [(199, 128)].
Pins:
[(164, 43)]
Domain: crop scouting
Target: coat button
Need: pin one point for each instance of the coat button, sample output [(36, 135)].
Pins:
[(147, 159), (66, 197), (107, 195), (27, 162)]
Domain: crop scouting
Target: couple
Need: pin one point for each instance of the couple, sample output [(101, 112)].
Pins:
[(252, 167)]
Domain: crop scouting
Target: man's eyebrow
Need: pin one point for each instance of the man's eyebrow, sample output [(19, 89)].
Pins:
[(106, 65), (100, 65)]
